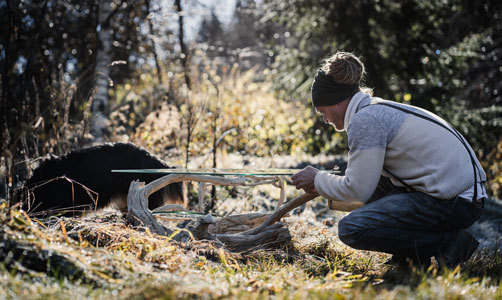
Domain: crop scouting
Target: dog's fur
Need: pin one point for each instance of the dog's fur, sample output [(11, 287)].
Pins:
[(87, 171)]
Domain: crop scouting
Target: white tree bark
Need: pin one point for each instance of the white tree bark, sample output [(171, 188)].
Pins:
[(102, 71)]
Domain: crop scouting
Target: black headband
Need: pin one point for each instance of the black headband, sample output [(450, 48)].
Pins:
[(326, 91)]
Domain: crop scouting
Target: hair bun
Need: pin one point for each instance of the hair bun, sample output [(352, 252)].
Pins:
[(345, 68)]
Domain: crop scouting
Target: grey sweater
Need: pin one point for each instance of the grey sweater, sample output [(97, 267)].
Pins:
[(424, 155)]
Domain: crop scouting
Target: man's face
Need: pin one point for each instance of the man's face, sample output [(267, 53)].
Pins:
[(333, 115)]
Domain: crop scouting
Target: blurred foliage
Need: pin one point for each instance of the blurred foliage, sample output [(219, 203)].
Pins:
[(246, 40), (444, 56), (47, 61), (263, 123), (46, 44), (410, 47), (493, 166)]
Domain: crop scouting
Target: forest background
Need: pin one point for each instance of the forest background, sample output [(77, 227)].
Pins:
[(75, 73)]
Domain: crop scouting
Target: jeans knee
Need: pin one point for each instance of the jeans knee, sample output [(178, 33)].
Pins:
[(348, 233)]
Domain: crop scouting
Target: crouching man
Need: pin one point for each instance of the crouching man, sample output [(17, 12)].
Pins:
[(415, 179)]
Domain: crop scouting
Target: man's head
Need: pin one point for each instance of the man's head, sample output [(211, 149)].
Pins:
[(335, 84)]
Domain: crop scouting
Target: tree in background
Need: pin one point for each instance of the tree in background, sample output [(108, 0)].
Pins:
[(250, 37), (211, 37), (414, 51), (210, 30), (244, 25), (245, 41), (152, 40), (443, 56), (48, 62), (101, 72), (184, 55)]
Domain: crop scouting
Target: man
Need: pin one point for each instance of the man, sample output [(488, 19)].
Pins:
[(415, 179)]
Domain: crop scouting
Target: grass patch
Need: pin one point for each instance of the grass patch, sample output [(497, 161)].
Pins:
[(101, 257)]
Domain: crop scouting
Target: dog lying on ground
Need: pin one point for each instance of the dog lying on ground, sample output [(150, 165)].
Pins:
[(82, 181)]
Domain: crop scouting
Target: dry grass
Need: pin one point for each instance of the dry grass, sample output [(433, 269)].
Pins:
[(101, 257)]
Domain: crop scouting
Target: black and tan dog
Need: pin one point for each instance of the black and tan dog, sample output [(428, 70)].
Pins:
[(82, 181)]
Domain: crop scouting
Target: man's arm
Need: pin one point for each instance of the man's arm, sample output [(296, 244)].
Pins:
[(360, 180), (357, 185)]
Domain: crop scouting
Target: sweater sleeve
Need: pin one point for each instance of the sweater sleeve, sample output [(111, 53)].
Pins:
[(367, 139), (360, 180)]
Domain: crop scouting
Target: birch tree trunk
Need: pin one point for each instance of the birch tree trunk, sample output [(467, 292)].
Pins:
[(102, 71), (153, 43)]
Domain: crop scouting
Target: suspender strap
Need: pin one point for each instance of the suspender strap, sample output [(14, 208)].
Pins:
[(451, 130), (400, 180)]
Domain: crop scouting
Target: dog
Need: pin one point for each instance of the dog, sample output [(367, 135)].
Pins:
[(82, 181)]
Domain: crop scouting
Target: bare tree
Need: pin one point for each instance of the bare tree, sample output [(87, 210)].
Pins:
[(152, 42), (183, 46), (192, 116), (101, 75)]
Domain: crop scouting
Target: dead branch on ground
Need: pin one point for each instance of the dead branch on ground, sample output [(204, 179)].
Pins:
[(268, 234)]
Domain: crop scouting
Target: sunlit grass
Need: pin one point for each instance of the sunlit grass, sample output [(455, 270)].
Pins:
[(123, 263)]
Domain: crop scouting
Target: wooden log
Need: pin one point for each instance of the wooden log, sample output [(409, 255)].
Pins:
[(237, 223), (344, 205), (137, 206), (266, 239), (269, 233), (200, 229), (289, 206)]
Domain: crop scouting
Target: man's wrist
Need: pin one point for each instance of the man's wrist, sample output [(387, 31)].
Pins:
[(317, 179)]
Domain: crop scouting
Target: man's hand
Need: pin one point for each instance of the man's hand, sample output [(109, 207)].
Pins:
[(305, 179)]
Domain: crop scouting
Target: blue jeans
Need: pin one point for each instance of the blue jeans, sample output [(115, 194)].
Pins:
[(408, 224)]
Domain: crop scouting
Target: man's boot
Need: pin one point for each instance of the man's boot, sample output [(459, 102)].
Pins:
[(458, 251)]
